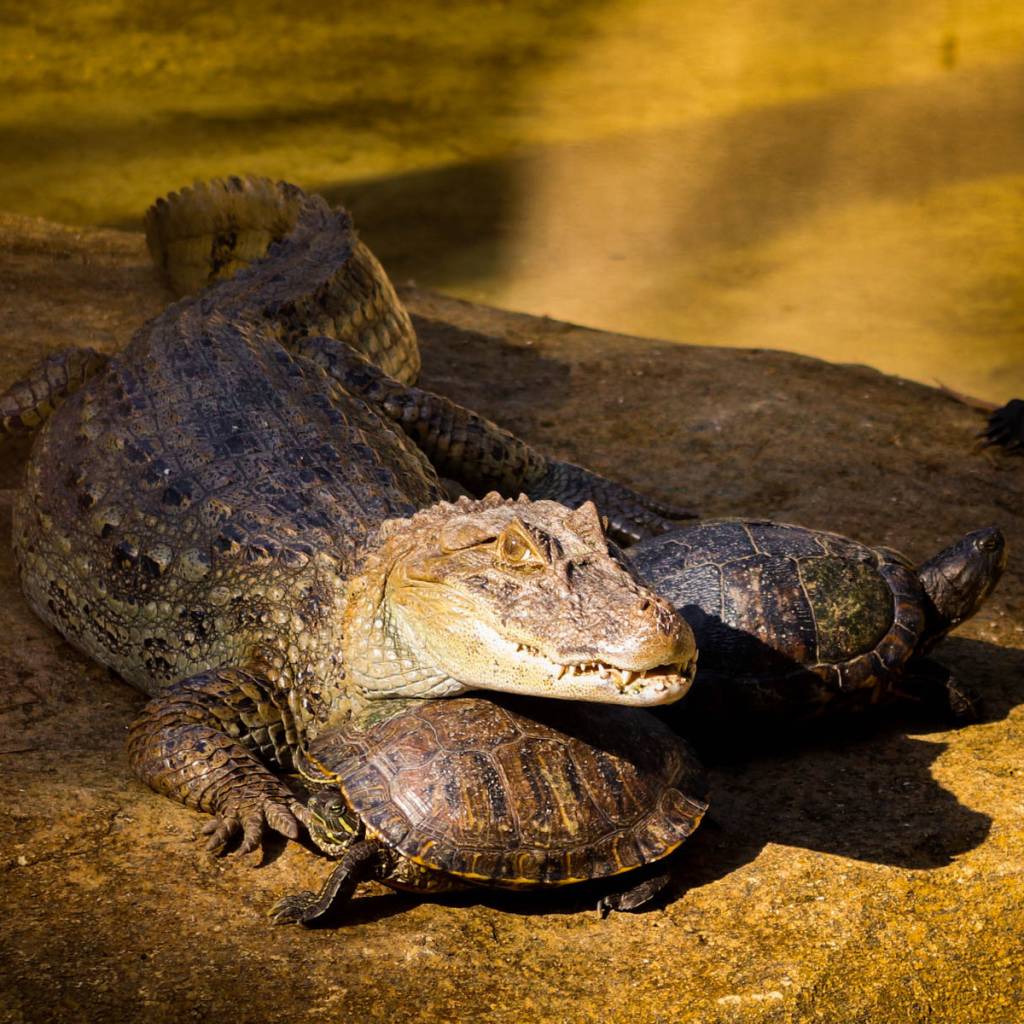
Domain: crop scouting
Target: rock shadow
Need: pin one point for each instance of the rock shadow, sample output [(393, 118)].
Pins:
[(854, 785), (513, 384)]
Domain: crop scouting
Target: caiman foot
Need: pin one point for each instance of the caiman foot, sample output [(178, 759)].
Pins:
[(27, 403), (1006, 427), (254, 817), (198, 743)]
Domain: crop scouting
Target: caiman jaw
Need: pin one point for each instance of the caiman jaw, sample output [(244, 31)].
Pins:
[(603, 682)]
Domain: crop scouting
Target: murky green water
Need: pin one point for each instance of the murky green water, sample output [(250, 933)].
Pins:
[(845, 180)]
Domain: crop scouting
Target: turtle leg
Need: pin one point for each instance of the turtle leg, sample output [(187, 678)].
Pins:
[(198, 742), (364, 860), (635, 896), (1006, 427), (481, 456), (931, 683), (29, 401)]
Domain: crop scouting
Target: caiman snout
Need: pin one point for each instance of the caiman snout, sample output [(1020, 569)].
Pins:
[(645, 655), (661, 637)]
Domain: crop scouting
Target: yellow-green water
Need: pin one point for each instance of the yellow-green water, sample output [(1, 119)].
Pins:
[(845, 180)]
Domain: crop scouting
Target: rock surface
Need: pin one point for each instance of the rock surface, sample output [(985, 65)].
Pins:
[(863, 872)]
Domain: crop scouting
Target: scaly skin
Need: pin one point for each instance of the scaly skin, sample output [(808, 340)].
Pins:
[(481, 456), (207, 514), (24, 406), (324, 280)]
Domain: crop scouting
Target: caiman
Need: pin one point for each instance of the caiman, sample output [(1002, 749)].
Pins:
[(240, 513)]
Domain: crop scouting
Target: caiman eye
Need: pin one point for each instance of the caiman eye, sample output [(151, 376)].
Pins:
[(460, 535), (516, 549), (989, 544)]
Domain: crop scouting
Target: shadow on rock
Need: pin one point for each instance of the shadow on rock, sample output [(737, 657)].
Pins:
[(480, 371), (996, 673), (859, 789)]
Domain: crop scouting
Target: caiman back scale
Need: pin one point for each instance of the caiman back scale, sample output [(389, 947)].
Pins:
[(226, 513)]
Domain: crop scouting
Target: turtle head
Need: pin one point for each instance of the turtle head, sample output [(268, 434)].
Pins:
[(521, 596), (958, 579), (331, 823)]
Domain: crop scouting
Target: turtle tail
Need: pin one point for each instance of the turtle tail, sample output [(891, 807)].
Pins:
[(210, 231)]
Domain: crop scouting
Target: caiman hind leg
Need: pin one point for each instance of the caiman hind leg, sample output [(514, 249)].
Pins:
[(202, 741), (480, 455), (1006, 427), (28, 402)]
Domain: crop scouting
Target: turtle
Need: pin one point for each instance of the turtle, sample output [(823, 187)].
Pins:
[(795, 621), (516, 793)]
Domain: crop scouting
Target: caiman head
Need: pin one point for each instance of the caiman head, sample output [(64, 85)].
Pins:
[(521, 596)]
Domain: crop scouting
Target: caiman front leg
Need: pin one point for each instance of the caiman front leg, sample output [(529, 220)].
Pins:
[(29, 401), (480, 455), (198, 742)]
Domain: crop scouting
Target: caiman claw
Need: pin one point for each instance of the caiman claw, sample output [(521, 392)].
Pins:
[(254, 817), (1006, 427)]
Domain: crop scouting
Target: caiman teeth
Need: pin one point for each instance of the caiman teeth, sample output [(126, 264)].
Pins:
[(656, 678)]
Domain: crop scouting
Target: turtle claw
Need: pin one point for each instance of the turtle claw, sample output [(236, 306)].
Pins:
[(363, 860), (634, 897), (299, 908)]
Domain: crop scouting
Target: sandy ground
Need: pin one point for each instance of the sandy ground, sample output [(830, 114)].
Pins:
[(858, 874), (842, 180)]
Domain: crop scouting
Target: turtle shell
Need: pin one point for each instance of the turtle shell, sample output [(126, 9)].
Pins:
[(786, 614), (517, 793)]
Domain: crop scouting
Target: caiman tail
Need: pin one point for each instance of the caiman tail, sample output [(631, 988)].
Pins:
[(262, 251), (210, 231), (291, 260)]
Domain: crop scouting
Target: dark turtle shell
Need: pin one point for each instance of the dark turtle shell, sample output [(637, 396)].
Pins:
[(475, 788), (786, 614)]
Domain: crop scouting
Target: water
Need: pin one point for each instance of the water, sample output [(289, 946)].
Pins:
[(841, 180)]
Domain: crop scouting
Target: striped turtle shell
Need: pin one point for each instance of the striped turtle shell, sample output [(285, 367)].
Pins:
[(475, 788), (784, 615)]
